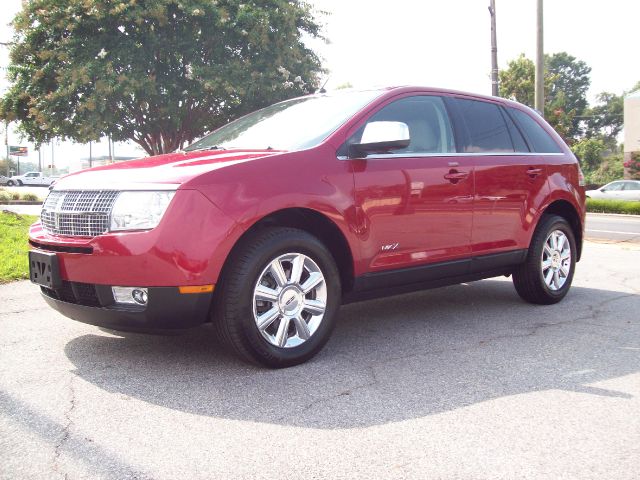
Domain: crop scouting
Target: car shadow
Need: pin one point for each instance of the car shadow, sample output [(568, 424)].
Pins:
[(389, 360)]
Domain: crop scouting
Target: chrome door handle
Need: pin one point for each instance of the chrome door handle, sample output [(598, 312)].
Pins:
[(455, 176)]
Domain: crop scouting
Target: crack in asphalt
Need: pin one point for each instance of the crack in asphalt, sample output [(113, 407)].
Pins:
[(67, 428), (373, 381), (13, 312), (533, 330)]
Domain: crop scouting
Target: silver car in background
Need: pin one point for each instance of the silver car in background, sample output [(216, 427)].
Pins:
[(618, 190)]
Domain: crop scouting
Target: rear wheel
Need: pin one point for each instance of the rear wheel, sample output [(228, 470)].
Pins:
[(546, 275), (278, 299), (10, 183)]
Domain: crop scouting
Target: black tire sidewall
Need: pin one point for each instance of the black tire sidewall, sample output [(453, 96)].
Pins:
[(555, 223), (299, 242)]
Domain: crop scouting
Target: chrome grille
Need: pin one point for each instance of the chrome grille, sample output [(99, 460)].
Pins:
[(81, 213)]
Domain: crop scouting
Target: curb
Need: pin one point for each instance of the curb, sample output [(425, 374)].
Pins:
[(632, 215), (19, 202)]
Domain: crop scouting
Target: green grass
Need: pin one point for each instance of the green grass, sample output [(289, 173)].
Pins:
[(14, 264), (613, 206)]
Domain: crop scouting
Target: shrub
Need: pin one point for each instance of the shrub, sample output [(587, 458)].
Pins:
[(4, 196), (613, 206), (609, 170), (30, 197), (15, 195), (633, 165)]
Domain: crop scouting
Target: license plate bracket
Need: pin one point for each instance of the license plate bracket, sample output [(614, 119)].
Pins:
[(44, 269)]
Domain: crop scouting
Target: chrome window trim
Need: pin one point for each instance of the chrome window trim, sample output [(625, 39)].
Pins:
[(429, 155)]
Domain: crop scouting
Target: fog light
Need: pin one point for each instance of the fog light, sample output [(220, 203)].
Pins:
[(130, 295)]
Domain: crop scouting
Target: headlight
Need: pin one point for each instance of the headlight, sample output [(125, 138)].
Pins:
[(139, 210)]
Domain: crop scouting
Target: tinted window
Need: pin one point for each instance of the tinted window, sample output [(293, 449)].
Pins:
[(631, 186), (539, 140), (487, 130), (516, 137), (428, 122)]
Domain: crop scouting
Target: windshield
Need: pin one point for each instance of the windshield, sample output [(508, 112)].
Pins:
[(291, 125)]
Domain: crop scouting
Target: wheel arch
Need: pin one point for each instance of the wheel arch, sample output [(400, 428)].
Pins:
[(566, 210), (314, 223)]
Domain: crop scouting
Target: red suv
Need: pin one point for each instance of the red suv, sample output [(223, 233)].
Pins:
[(267, 225)]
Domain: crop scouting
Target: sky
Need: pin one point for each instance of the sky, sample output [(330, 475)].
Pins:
[(440, 44)]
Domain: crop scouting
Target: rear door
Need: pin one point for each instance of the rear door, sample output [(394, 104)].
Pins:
[(509, 178), (630, 191), (416, 204), (31, 178)]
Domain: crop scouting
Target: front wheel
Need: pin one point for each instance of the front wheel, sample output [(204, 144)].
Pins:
[(546, 275), (20, 184), (278, 298)]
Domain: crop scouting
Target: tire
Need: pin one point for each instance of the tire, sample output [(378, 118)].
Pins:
[(20, 184), (546, 275), (294, 330), (10, 183)]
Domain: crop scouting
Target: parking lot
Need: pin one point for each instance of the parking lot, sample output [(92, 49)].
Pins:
[(460, 382)]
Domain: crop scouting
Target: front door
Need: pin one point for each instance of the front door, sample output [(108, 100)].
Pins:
[(416, 203)]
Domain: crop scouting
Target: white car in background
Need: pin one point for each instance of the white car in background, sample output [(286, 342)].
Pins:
[(618, 190), (31, 178)]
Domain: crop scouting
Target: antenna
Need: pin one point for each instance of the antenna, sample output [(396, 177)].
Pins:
[(322, 90)]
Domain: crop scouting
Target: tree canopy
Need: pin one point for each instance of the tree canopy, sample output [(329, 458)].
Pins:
[(158, 72), (566, 81)]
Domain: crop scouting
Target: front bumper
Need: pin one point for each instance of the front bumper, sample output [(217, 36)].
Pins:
[(167, 309)]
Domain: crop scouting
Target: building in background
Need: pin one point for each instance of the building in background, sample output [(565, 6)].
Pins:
[(632, 135), (83, 163)]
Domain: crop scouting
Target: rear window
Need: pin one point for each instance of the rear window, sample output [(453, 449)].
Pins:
[(486, 127), (539, 140)]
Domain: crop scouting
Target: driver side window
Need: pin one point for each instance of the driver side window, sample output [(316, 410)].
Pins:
[(429, 125)]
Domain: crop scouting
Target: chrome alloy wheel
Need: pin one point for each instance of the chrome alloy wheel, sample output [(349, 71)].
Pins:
[(289, 300), (556, 260)]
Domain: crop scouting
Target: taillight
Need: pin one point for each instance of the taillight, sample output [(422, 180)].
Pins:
[(581, 180)]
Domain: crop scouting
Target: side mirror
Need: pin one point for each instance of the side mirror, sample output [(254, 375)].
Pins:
[(381, 137)]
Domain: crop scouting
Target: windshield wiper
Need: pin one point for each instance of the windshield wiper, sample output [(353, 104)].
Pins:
[(201, 149)]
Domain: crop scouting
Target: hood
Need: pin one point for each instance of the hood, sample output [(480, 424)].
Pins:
[(168, 170)]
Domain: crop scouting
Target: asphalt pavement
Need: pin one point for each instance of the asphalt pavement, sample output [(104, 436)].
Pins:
[(615, 228), (461, 382)]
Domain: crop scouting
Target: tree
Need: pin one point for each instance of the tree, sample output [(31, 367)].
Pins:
[(518, 80), (565, 84), (158, 72), (605, 119), (589, 151), (571, 81)]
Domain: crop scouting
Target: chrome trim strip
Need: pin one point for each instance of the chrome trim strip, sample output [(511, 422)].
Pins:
[(430, 155)]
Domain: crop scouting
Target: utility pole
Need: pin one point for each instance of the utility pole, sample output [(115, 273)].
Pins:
[(539, 89), (110, 153), (494, 49), (90, 155), (6, 138), (52, 143), (39, 160)]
